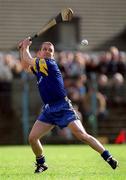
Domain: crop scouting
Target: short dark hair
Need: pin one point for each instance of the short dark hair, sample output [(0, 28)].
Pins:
[(46, 42)]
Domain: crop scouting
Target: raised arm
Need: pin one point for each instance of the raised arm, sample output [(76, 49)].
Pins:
[(26, 59)]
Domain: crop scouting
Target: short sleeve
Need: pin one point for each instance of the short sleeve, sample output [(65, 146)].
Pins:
[(40, 65)]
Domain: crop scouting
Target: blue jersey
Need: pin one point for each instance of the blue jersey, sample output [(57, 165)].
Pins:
[(49, 80)]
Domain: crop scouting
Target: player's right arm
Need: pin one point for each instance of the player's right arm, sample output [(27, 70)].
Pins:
[(27, 60)]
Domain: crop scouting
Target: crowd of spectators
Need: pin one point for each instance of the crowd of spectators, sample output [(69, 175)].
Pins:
[(10, 66), (89, 78), (108, 68)]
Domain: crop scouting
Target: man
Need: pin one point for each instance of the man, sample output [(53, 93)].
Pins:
[(58, 109)]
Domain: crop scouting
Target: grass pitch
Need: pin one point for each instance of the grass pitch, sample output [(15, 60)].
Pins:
[(66, 162)]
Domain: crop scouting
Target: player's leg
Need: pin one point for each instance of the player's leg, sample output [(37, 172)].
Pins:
[(79, 131), (38, 131)]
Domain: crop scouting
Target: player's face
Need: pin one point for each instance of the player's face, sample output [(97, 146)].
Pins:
[(47, 51)]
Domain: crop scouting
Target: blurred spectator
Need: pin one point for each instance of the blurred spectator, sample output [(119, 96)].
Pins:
[(80, 84), (67, 82), (122, 64), (94, 107), (113, 63), (6, 77), (77, 89), (117, 89), (62, 63), (104, 60), (74, 95), (69, 57), (77, 66), (92, 64), (5, 72), (103, 85), (13, 64)]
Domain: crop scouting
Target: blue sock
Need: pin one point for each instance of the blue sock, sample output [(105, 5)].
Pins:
[(40, 159), (106, 155)]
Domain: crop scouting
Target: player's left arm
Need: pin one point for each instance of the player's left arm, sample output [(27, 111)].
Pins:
[(26, 59)]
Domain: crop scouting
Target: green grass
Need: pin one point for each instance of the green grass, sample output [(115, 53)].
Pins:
[(66, 162)]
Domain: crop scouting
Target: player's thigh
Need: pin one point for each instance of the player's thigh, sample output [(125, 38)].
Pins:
[(39, 129), (77, 128)]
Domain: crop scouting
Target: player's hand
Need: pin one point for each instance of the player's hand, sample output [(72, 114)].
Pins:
[(25, 43)]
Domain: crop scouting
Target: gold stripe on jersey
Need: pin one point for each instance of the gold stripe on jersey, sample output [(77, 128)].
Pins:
[(34, 67), (43, 66)]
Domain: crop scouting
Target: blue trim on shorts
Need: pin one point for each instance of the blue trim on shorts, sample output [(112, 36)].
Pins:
[(60, 113)]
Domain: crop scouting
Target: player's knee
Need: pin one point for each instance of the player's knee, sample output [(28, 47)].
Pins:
[(32, 139)]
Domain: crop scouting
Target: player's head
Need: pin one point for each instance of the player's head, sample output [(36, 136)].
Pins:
[(46, 50)]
